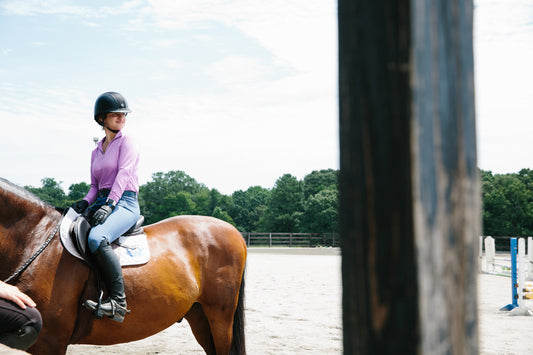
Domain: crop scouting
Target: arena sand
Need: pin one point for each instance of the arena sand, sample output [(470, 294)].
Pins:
[(293, 306)]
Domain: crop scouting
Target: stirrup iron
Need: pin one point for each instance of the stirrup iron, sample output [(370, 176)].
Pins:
[(117, 312)]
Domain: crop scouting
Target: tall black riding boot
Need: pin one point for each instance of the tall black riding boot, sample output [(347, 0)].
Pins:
[(115, 306)]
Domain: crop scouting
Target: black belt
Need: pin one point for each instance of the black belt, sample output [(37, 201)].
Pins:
[(105, 193)]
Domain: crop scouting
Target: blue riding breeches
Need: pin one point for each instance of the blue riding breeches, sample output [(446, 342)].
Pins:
[(123, 217)]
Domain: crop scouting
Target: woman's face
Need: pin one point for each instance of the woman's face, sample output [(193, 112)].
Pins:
[(115, 120)]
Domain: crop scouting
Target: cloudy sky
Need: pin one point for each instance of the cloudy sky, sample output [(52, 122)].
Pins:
[(503, 37), (235, 93)]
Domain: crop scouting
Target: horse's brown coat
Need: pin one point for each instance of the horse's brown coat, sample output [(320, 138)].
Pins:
[(195, 272)]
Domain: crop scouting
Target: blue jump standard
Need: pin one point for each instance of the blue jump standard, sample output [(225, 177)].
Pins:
[(514, 277)]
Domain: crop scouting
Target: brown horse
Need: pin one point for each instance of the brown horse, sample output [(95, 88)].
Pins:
[(196, 272)]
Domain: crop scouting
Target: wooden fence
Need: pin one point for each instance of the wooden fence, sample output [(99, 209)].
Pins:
[(306, 240)]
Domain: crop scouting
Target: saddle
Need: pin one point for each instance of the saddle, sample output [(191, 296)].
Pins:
[(80, 228), (131, 248)]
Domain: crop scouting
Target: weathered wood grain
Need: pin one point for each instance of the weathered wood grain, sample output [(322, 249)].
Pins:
[(409, 201)]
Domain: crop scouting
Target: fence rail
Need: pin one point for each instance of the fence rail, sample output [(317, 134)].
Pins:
[(308, 240), (502, 243)]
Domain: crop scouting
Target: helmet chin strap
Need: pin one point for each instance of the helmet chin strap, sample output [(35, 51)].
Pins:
[(113, 130)]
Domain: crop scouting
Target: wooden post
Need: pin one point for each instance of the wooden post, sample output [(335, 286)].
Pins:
[(409, 201)]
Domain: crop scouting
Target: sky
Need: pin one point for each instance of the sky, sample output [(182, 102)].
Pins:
[(235, 93), (503, 64)]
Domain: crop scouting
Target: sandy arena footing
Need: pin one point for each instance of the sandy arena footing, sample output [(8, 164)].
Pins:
[(293, 306)]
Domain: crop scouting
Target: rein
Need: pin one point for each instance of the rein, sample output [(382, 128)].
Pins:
[(37, 253)]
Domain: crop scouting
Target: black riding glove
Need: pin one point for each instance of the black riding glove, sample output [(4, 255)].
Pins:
[(80, 206), (102, 213)]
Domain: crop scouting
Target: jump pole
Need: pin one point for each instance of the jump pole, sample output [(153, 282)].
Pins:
[(518, 279), (514, 278)]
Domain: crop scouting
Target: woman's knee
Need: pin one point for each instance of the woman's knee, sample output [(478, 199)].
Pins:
[(94, 241), (27, 324), (35, 319)]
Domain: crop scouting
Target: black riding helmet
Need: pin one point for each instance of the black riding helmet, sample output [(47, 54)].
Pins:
[(109, 102)]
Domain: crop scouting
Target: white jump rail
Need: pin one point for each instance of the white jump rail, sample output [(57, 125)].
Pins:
[(491, 263)]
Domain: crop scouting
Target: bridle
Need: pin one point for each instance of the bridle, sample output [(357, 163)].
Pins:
[(36, 254)]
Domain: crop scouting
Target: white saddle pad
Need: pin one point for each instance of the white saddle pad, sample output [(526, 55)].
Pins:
[(131, 250)]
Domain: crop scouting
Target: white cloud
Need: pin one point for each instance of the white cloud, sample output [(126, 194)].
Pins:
[(34, 7), (66, 8), (165, 42), (173, 64), (304, 41), (238, 70)]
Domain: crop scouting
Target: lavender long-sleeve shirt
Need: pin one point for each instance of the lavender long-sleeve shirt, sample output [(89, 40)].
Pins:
[(116, 169)]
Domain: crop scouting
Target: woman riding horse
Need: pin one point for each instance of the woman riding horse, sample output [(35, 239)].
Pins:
[(114, 188), (195, 272)]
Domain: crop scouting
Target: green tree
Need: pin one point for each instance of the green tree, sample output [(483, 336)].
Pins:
[(321, 212), (223, 215), (180, 203), (225, 203), (168, 194), (285, 206), (77, 191), (526, 176), (50, 192), (176, 193), (248, 207), (203, 205), (507, 204), (319, 180)]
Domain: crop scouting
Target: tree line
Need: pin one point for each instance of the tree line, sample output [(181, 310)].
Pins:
[(309, 205), (298, 206)]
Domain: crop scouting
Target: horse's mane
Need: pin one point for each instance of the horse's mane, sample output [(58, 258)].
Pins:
[(20, 193)]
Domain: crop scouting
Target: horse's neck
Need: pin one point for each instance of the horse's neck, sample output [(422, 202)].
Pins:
[(23, 225), (20, 214)]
